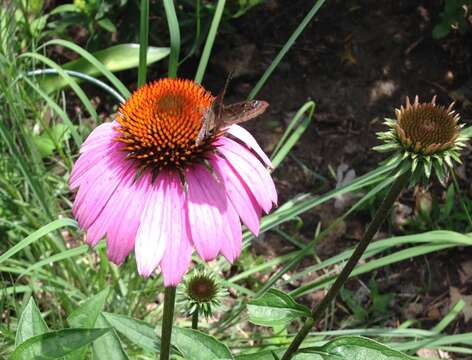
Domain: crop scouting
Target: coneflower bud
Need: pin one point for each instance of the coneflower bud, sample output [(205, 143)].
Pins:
[(427, 136), (202, 292)]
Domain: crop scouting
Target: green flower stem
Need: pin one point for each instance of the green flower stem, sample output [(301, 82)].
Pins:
[(195, 320), (167, 321), (382, 212)]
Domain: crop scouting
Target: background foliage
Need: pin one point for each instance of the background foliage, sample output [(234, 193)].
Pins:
[(64, 70)]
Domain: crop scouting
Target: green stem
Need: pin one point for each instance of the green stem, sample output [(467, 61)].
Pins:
[(167, 321), (461, 199), (143, 41), (195, 320), (382, 212)]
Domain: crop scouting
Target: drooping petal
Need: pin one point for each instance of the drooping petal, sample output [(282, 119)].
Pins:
[(232, 241), (101, 134), (122, 230), (240, 196), (96, 151), (98, 186), (246, 137), (161, 222), (256, 177), (119, 219), (178, 253), (207, 205)]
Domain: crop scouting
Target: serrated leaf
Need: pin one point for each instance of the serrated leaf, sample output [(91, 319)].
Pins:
[(358, 348), (275, 308), (195, 345), (107, 346), (31, 323), (55, 344)]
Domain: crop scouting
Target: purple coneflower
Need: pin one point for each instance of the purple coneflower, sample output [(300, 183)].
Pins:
[(146, 184)]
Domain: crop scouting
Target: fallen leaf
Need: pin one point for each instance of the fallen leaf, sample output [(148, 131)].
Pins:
[(433, 354), (465, 273), (455, 295)]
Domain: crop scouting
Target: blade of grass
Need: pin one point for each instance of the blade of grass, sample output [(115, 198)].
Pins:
[(215, 23), (70, 81), (143, 41), (29, 176), (81, 76), (92, 60), (174, 32), (293, 133), (54, 258), (58, 110), (306, 20), (46, 229), (450, 316)]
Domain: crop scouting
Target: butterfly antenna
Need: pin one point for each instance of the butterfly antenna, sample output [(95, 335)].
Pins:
[(222, 94)]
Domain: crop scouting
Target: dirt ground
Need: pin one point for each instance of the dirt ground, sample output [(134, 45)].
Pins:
[(357, 60)]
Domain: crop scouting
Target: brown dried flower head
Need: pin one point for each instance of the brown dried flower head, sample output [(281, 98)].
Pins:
[(425, 138), (427, 128)]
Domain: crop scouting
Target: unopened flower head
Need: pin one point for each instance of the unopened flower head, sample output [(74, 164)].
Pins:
[(427, 136), (202, 292), (146, 183)]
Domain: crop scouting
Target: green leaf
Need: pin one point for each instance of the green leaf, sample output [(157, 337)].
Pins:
[(115, 58), (107, 24), (46, 141), (87, 313), (137, 331), (195, 345), (118, 58), (31, 323), (56, 344), (441, 30), (356, 348), (275, 308), (272, 355), (108, 346), (85, 316), (44, 144)]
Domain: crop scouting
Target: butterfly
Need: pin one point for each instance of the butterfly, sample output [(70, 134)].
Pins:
[(221, 116)]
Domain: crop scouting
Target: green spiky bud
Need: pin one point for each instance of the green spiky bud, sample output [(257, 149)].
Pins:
[(426, 137), (203, 293)]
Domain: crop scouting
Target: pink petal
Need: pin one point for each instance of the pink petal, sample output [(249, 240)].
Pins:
[(256, 177), (120, 217), (246, 137), (98, 153), (129, 207), (97, 187), (178, 254), (101, 134), (89, 162), (206, 205), (231, 244), (162, 222), (239, 194)]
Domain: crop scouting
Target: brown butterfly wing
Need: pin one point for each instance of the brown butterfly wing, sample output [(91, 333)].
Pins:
[(240, 112)]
